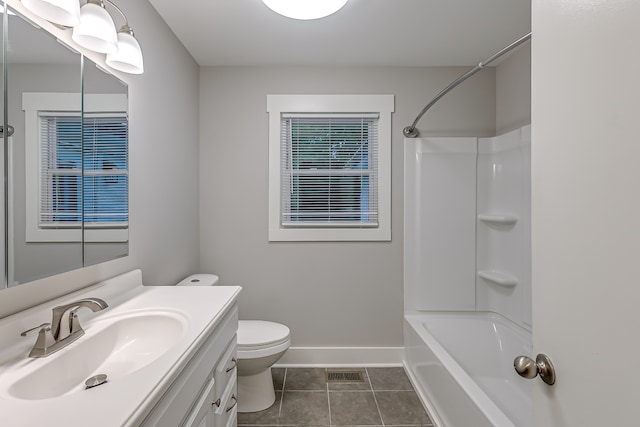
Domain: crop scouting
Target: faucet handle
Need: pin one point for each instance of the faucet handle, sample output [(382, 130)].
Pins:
[(44, 342), (74, 323), (40, 328)]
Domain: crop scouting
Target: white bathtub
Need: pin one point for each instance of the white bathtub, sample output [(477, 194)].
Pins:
[(462, 367)]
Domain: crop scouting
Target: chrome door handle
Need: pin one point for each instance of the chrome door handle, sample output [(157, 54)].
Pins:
[(529, 368), (10, 130)]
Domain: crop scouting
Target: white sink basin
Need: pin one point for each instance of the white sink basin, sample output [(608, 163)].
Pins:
[(113, 345)]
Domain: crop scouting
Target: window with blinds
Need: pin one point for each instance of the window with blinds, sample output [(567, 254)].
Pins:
[(329, 167), (88, 173), (329, 175)]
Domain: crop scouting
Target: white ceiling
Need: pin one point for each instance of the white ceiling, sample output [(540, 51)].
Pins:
[(363, 33)]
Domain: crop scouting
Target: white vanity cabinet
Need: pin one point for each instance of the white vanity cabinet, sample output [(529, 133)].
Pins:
[(205, 392), (169, 354)]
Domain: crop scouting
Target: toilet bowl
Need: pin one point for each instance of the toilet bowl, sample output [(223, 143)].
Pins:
[(260, 345)]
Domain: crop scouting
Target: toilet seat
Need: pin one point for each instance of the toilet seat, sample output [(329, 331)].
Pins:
[(259, 338)]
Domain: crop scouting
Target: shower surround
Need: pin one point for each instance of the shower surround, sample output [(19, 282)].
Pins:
[(468, 276)]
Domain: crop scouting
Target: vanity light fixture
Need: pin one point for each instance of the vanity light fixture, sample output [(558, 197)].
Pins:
[(128, 57), (305, 9), (96, 30), (63, 12)]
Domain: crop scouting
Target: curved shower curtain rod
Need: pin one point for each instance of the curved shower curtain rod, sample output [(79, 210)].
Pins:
[(412, 131)]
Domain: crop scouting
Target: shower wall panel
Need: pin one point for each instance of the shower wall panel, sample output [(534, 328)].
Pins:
[(440, 221), (504, 225)]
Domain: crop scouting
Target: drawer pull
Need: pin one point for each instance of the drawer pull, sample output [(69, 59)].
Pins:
[(235, 363), (216, 403), (235, 402)]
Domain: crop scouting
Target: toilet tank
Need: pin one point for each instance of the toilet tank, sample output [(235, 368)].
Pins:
[(199, 280)]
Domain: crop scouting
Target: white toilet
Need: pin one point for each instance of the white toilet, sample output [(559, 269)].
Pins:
[(260, 345)]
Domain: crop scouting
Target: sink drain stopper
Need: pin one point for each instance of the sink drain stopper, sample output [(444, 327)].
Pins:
[(95, 381)]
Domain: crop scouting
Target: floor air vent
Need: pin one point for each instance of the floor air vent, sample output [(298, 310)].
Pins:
[(344, 377)]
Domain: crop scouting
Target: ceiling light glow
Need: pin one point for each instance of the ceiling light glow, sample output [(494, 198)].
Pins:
[(305, 9)]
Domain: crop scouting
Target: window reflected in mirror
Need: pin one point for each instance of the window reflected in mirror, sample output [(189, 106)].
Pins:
[(67, 161)]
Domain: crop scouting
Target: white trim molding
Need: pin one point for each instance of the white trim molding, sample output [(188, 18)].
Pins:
[(342, 357)]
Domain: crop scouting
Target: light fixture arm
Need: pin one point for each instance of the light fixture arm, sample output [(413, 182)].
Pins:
[(125, 28)]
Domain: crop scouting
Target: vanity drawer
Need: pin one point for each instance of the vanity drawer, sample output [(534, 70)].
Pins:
[(200, 413), (226, 368), (224, 414)]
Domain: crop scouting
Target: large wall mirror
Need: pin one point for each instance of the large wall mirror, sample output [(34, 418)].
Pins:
[(67, 193)]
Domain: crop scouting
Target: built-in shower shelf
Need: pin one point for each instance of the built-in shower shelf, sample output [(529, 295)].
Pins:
[(498, 277), (498, 219)]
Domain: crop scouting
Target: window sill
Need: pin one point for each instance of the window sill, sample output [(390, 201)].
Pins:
[(330, 234)]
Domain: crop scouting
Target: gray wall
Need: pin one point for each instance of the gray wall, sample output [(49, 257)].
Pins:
[(163, 167), (329, 294), (513, 91)]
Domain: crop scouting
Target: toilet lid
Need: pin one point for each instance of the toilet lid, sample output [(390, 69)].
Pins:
[(256, 334)]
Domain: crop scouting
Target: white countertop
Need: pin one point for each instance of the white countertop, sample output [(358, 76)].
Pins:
[(125, 400)]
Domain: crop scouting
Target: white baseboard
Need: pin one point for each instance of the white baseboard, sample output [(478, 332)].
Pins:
[(342, 357)]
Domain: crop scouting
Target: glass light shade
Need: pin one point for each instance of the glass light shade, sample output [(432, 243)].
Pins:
[(62, 12), (305, 9), (96, 30), (128, 58)]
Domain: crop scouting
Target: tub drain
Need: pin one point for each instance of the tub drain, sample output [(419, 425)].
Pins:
[(95, 381)]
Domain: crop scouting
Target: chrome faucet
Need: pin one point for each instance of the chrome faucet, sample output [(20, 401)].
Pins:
[(64, 327)]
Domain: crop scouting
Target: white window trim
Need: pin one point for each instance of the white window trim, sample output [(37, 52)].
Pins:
[(381, 104), (32, 104)]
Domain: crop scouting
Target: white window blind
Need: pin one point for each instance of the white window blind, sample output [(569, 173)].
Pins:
[(329, 170), (101, 189), (106, 170), (60, 170)]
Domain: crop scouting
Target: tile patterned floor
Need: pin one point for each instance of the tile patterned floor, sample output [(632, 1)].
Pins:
[(304, 398)]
